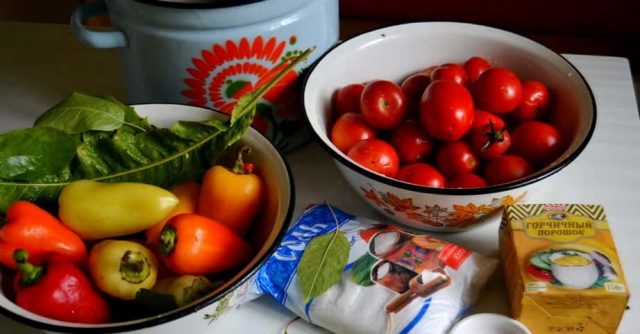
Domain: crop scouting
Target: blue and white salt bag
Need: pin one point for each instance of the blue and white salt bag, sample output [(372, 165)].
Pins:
[(394, 281)]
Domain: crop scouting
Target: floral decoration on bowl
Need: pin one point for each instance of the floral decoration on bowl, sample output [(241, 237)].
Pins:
[(436, 216)]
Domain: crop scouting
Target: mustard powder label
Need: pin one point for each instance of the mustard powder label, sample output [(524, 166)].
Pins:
[(559, 226)]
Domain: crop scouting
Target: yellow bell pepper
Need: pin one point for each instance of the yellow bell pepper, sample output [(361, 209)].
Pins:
[(96, 210), (120, 268)]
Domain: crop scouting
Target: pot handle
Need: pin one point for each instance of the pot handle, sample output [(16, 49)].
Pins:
[(96, 39)]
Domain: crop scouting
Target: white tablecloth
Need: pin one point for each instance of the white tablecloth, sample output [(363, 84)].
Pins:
[(41, 63)]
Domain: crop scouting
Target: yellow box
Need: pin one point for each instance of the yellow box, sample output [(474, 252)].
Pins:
[(561, 268)]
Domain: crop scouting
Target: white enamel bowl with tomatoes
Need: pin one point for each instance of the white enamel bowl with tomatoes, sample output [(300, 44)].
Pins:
[(439, 125), (265, 234)]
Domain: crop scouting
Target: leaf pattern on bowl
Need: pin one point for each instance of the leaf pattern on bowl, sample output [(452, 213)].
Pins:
[(456, 216)]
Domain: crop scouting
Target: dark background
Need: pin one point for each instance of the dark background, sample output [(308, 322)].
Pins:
[(593, 27)]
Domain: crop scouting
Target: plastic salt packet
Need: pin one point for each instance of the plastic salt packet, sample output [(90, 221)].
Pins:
[(351, 274)]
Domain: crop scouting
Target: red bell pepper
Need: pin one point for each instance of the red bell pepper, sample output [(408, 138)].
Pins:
[(33, 229), (60, 290)]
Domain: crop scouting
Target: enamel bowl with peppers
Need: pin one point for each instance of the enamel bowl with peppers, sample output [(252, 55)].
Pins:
[(195, 315), (440, 189)]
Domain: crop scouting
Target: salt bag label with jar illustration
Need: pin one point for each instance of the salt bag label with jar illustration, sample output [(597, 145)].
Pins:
[(392, 281)]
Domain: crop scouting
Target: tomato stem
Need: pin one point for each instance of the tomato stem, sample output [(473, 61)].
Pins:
[(134, 267), (493, 136), (168, 238), (30, 274)]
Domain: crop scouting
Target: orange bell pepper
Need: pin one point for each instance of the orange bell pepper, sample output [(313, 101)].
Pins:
[(187, 193), (35, 230), (232, 197), (196, 245)]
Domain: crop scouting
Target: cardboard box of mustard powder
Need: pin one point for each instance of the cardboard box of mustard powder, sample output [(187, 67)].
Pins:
[(561, 268)]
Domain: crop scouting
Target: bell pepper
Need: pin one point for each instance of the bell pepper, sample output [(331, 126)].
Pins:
[(60, 290), (120, 268), (196, 245), (186, 288), (187, 193), (232, 196), (97, 210), (35, 230)]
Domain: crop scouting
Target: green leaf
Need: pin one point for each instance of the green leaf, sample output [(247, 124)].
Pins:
[(250, 100), (35, 153), (322, 264), (79, 113), (137, 152), (361, 270)]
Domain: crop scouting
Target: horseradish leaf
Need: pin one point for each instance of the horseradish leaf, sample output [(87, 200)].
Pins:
[(79, 113), (113, 144)]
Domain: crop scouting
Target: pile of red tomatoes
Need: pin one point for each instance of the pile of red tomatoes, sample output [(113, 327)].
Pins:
[(450, 125)]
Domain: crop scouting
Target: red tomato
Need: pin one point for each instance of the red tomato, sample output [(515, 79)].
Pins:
[(376, 155), (411, 141), (490, 141), (497, 90), (456, 158), (347, 99), (422, 174), (537, 142), (383, 104), (413, 87), (535, 101), (450, 71), (446, 110), (349, 129), (482, 118), (466, 181), (507, 168), (475, 66)]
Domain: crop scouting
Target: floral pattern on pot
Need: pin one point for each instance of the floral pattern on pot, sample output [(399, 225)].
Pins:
[(456, 216), (225, 72)]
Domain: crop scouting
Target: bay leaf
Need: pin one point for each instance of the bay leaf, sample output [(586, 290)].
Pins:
[(322, 264), (79, 112)]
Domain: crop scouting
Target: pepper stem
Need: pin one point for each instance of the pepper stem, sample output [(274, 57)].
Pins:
[(168, 240), (30, 274), (239, 166), (135, 267)]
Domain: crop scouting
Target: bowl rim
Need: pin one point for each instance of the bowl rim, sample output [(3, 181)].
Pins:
[(533, 178), (116, 327), (488, 317)]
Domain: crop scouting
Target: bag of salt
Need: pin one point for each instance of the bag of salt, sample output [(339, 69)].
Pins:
[(353, 275)]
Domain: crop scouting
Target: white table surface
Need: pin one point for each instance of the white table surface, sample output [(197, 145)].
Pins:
[(41, 63)]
